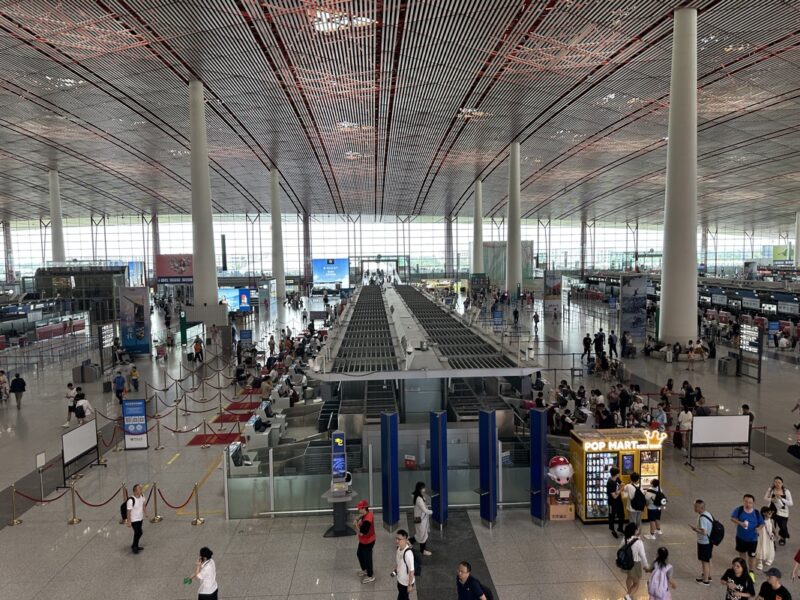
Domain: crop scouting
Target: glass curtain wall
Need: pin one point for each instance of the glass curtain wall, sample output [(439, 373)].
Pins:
[(421, 239)]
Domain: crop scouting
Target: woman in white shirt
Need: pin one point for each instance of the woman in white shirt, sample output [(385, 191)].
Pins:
[(782, 499), (633, 578), (685, 418), (422, 518), (205, 571)]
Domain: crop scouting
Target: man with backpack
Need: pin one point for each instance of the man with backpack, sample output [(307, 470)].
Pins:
[(704, 531), (137, 511), (749, 523), (404, 561), (636, 500), (467, 586)]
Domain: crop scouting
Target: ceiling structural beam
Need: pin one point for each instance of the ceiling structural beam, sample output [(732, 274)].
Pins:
[(56, 222), (277, 244), (677, 318), (513, 235), (477, 229), (9, 252)]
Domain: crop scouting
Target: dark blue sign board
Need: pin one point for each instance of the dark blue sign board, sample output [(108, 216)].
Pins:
[(538, 420), (390, 501), (438, 422), (487, 451)]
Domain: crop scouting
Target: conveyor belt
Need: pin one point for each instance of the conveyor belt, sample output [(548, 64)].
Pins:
[(367, 344)]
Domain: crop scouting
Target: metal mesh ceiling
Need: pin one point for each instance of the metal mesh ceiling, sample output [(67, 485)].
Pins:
[(359, 103)]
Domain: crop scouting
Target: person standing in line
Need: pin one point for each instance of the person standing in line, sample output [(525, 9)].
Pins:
[(636, 500), (660, 583), (205, 571), (685, 418), (137, 511), (422, 518), (467, 586), (612, 345), (364, 525), (704, 546), (772, 588), (69, 396), (404, 565), (17, 388), (749, 523), (616, 510), (633, 577), (778, 495)]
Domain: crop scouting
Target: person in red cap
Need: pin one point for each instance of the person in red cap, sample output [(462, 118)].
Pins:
[(364, 524)]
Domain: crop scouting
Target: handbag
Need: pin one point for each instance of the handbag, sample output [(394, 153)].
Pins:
[(677, 440), (417, 520)]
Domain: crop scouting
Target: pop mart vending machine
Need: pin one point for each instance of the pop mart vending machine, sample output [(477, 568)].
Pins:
[(594, 452)]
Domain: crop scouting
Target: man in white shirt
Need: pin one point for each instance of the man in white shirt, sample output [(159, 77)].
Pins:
[(137, 511), (70, 398), (404, 561), (629, 491)]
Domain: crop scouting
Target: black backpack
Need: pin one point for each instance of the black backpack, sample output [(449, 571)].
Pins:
[(625, 556), (638, 502), (660, 500), (123, 510), (717, 533), (417, 560)]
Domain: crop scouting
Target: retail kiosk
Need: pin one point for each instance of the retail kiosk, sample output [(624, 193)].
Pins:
[(593, 453)]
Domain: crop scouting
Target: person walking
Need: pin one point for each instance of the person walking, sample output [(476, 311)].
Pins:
[(781, 498), (467, 587), (660, 583), (704, 546), (271, 344), (197, 347), (4, 389), (83, 409), (205, 571), (772, 588), (137, 511), (422, 518), (364, 525), (404, 565), (119, 386), (69, 396), (765, 550), (633, 576), (134, 375), (587, 347), (535, 322), (636, 499), (737, 581), (612, 345), (749, 523), (616, 510), (516, 317), (17, 388)]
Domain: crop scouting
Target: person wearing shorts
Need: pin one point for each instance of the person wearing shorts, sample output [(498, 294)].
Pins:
[(748, 522), (704, 546)]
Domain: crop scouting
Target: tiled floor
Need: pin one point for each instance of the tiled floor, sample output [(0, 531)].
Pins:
[(287, 558)]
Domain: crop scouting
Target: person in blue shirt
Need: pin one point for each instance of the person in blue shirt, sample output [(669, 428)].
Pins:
[(119, 386), (467, 586), (748, 525)]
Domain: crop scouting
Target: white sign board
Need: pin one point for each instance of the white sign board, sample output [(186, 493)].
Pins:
[(731, 430), (40, 460), (79, 441)]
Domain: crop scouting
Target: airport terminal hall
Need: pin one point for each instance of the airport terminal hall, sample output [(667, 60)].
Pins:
[(399, 299)]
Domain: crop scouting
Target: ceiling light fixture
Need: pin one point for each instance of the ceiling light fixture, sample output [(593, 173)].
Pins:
[(331, 22), (347, 126), (353, 155), (471, 114)]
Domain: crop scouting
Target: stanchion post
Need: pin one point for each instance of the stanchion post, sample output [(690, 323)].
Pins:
[(158, 437), (125, 498), (203, 390), (177, 410), (198, 520), (74, 520), (205, 432), (14, 520), (102, 459), (156, 518)]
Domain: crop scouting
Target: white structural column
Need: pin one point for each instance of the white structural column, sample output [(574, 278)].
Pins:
[(796, 239), (205, 262), (678, 316), (477, 229), (277, 245), (513, 236), (56, 225)]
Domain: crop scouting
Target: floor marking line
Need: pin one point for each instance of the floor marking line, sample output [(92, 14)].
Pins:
[(174, 458), (212, 467)]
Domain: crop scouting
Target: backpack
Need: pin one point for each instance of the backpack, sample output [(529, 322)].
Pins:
[(658, 584), (123, 510), (638, 502), (417, 560), (717, 533), (625, 556), (660, 500)]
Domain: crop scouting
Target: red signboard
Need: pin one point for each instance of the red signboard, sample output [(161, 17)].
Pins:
[(174, 268)]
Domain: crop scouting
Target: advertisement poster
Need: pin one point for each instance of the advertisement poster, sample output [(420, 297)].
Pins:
[(135, 274), (750, 270), (552, 292), (134, 319), (327, 272), (244, 300), (174, 268), (633, 304), (134, 423)]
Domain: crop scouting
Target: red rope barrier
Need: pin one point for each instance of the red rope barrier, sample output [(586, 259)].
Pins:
[(111, 443), (166, 414), (149, 495), (77, 493), (107, 418), (191, 494), (32, 499)]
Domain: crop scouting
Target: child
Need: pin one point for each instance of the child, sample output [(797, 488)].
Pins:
[(135, 377), (765, 550), (660, 582), (82, 408), (653, 511)]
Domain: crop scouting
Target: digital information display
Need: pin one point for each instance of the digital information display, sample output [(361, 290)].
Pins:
[(753, 303), (749, 339), (789, 308), (327, 272), (338, 455), (719, 299)]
